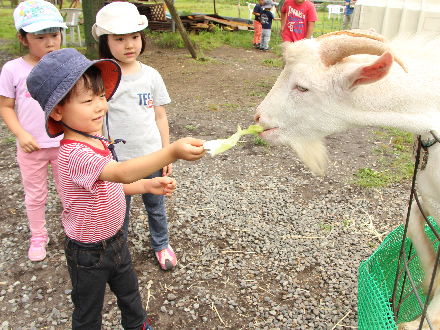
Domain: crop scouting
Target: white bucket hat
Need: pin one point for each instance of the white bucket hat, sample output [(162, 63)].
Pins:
[(118, 18)]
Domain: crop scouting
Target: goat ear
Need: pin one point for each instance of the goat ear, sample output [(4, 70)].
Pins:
[(370, 73)]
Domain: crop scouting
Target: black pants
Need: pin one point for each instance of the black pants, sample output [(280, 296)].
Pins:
[(91, 267)]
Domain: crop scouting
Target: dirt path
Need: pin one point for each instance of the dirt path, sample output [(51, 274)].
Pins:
[(254, 199)]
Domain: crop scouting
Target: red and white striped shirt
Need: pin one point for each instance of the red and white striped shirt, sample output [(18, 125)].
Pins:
[(93, 210)]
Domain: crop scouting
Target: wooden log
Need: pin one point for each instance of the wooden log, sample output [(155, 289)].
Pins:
[(180, 27)]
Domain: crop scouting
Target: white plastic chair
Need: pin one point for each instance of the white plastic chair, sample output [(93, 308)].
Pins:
[(335, 10), (251, 7), (72, 22)]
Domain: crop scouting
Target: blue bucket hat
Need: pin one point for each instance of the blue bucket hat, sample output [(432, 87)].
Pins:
[(56, 74)]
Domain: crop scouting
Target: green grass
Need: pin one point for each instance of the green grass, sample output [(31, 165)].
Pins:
[(7, 23), (260, 142), (9, 140), (190, 127), (227, 8), (203, 40), (230, 106), (396, 160), (276, 63)]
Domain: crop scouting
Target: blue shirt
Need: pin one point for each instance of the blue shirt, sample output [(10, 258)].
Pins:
[(266, 19), (348, 9), (258, 9)]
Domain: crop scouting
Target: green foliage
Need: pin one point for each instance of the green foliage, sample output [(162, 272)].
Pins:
[(191, 127), (9, 140), (230, 106), (396, 159), (366, 177), (8, 30), (185, 13), (270, 62), (259, 141), (326, 25)]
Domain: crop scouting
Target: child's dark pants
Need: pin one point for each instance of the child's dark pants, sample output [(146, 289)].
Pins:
[(91, 267)]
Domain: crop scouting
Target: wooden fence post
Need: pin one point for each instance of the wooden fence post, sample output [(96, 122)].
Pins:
[(181, 28)]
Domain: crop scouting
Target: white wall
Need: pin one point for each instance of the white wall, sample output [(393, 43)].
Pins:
[(390, 17)]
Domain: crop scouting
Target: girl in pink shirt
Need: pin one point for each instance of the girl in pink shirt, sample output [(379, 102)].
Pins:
[(38, 24)]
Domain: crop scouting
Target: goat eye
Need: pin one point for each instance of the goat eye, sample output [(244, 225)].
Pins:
[(301, 89)]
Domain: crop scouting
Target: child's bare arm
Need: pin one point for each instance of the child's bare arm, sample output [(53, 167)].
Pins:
[(26, 141), (162, 125), (310, 28), (138, 168), (283, 22), (157, 186), (164, 130)]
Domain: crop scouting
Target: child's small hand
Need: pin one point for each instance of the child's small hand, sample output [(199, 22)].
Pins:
[(162, 186), (167, 170), (188, 148), (28, 143)]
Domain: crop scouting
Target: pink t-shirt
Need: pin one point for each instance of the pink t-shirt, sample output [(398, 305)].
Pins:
[(93, 210), (298, 17), (30, 115)]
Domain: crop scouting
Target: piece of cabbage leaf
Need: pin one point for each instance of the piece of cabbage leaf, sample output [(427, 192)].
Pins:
[(215, 147)]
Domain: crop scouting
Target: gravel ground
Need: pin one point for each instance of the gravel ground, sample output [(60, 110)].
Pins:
[(261, 243)]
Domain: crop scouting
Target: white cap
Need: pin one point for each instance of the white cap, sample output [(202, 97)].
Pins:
[(118, 18), (36, 15)]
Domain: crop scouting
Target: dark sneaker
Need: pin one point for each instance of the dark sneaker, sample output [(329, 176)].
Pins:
[(257, 45)]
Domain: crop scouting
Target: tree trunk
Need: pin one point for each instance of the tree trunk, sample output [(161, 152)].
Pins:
[(180, 27), (14, 3), (90, 9)]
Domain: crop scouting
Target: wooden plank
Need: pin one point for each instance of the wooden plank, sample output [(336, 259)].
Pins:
[(223, 21), (200, 26)]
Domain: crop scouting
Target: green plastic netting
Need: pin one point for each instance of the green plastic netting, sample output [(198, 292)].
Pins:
[(376, 283)]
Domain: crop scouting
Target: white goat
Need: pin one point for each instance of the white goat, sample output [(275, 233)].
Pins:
[(347, 80)]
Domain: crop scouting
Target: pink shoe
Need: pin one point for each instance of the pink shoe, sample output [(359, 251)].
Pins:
[(37, 250), (167, 258)]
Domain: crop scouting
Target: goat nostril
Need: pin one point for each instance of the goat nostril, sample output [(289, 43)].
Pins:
[(257, 118)]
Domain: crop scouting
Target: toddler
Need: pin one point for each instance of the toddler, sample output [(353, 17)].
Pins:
[(73, 92)]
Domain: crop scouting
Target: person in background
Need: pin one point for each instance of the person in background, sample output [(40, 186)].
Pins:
[(39, 25), (266, 23), (348, 14), (298, 19), (257, 23)]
